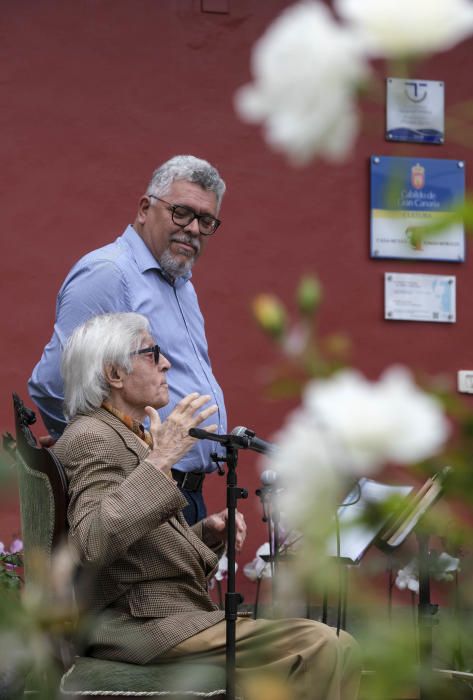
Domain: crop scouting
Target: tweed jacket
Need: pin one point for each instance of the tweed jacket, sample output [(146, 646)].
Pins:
[(150, 568)]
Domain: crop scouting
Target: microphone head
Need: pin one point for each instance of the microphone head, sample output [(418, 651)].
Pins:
[(269, 477), (242, 431), (250, 440)]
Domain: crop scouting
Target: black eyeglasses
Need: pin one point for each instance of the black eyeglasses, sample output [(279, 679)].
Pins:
[(155, 349), (182, 216)]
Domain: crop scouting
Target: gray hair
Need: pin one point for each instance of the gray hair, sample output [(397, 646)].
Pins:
[(187, 168), (102, 340)]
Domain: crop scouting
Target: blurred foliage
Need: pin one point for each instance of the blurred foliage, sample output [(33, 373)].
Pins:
[(390, 642), (10, 564), (303, 353)]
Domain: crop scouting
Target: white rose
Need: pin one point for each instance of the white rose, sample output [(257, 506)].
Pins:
[(346, 427), (375, 422), (405, 28), (306, 71), (308, 475)]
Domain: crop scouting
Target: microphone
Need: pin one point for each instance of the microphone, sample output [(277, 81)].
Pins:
[(269, 478), (252, 441)]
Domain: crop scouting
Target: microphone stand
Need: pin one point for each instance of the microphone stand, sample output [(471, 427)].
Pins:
[(232, 443), (271, 517), (426, 611)]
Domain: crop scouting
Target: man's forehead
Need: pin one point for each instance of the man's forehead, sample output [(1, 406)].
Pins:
[(146, 339), (185, 188)]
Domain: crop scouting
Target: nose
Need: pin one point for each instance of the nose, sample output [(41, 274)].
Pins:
[(193, 227), (163, 364)]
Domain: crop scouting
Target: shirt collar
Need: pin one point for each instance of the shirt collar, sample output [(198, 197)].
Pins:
[(134, 425), (144, 258)]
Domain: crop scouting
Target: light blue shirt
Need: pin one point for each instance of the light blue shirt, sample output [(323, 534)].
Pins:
[(124, 276)]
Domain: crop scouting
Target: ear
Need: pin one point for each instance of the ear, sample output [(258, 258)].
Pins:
[(114, 376), (143, 209)]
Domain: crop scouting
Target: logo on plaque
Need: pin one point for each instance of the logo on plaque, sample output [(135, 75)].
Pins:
[(417, 176), (414, 91)]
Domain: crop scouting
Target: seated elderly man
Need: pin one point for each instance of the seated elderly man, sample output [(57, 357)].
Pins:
[(125, 520)]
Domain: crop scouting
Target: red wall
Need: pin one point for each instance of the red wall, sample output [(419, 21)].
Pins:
[(95, 94)]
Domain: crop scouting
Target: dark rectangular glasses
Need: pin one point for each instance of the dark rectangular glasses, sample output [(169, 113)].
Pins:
[(182, 216), (155, 349)]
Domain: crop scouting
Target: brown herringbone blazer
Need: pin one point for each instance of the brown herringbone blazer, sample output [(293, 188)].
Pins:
[(150, 568)]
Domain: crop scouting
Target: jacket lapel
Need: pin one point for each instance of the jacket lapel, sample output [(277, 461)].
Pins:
[(132, 441)]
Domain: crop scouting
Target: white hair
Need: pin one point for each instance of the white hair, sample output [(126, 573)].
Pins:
[(102, 340), (190, 169)]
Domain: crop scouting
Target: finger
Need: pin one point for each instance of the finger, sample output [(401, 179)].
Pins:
[(241, 530), (241, 536), (223, 515), (186, 401), (206, 413), (208, 428), (195, 404), (240, 521), (154, 419), (216, 522)]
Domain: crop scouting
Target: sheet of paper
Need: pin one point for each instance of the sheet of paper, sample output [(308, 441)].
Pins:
[(355, 536)]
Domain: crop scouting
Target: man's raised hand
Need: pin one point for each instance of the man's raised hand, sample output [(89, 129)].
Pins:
[(171, 439)]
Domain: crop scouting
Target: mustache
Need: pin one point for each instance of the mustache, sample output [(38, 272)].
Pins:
[(188, 240)]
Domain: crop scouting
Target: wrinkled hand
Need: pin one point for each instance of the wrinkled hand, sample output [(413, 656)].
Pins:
[(216, 525), (171, 439)]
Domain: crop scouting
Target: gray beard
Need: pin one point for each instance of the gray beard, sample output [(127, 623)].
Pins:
[(172, 268)]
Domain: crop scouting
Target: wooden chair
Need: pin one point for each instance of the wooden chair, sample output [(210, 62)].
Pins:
[(43, 503)]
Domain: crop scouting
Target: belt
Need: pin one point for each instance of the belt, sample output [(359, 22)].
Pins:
[(189, 481)]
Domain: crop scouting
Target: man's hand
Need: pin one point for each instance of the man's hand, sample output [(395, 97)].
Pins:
[(216, 526), (171, 439)]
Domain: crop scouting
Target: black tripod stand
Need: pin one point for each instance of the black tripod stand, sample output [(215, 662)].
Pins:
[(232, 443)]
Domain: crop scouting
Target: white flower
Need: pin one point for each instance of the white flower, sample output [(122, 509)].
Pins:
[(308, 476), (442, 566), (222, 570), (258, 568), (346, 427), (405, 27), (306, 70), (375, 422), (408, 577)]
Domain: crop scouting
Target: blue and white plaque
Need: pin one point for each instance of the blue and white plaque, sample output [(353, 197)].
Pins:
[(415, 110), (413, 201)]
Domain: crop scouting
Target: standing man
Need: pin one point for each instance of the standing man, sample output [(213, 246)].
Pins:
[(148, 270)]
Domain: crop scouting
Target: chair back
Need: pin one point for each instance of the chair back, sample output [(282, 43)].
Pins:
[(42, 489)]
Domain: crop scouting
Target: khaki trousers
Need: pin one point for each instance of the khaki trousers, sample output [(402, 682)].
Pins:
[(294, 659)]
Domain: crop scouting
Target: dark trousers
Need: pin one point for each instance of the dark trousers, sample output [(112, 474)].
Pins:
[(195, 510)]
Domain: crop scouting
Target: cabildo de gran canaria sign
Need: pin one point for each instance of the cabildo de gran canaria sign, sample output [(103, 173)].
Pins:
[(411, 200)]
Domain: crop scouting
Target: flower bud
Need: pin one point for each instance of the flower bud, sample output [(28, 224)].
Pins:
[(270, 314), (309, 295)]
